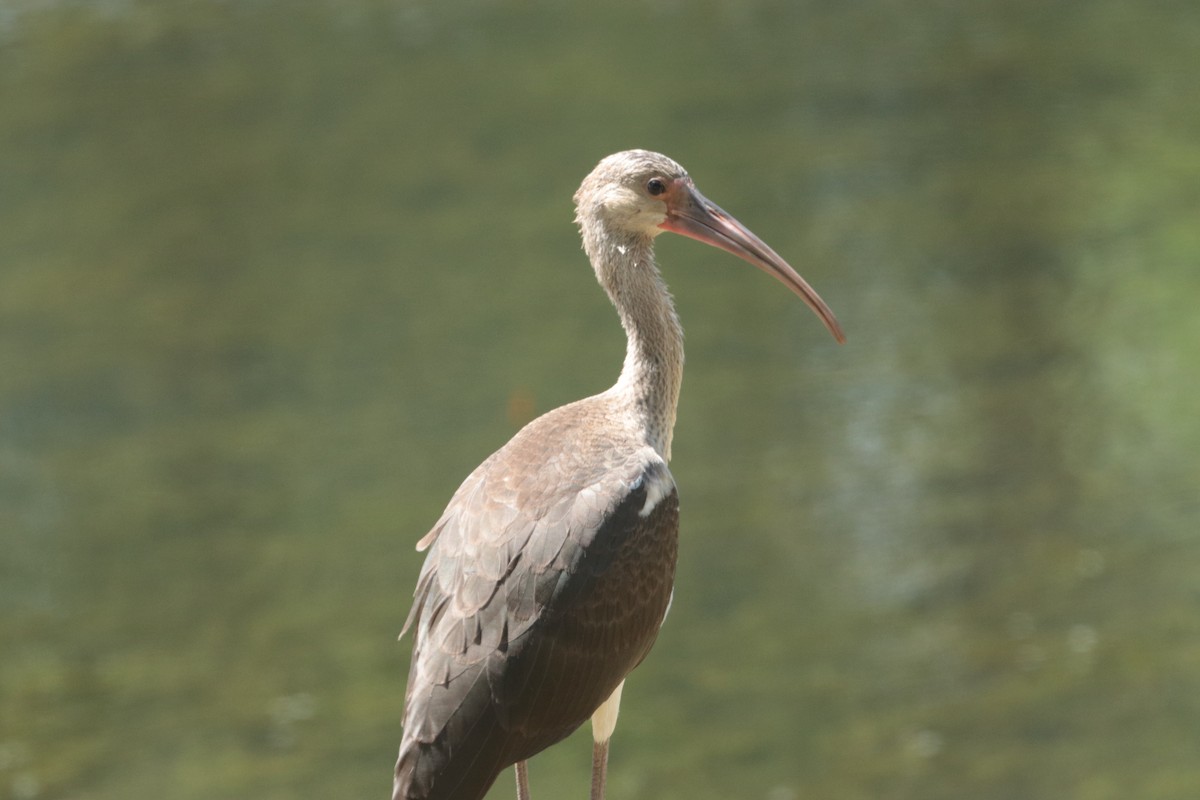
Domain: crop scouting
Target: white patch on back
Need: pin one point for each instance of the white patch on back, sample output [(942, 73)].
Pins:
[(659, 484)]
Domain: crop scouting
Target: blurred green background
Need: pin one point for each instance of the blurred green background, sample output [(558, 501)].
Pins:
[(275, 276)]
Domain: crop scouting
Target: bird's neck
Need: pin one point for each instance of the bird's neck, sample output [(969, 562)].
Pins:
[(648, 388)]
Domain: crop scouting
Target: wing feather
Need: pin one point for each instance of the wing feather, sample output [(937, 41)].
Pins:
[(531, 570)]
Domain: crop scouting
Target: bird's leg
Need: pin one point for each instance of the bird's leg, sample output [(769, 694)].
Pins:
[(599, 768), (604, 722), (522, 770)]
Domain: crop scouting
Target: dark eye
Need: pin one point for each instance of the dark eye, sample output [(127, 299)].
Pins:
[(656, 186)]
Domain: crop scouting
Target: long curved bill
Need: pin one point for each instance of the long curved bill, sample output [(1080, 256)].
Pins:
[(691, 214)]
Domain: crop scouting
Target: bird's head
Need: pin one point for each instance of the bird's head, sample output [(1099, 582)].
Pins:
[(638, 194), (629, 193)]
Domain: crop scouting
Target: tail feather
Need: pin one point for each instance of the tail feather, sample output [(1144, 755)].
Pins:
[(432, 772), (429, 767)]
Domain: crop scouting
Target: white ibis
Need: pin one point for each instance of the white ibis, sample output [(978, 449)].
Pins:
[(551, 570)]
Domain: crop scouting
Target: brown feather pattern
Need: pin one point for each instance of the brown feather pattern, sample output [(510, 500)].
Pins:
[(543, 587)]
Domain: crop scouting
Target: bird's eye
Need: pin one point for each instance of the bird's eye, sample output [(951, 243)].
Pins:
[(656, 186)]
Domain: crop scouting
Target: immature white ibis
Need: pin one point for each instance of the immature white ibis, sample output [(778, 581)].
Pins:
[(551, 570)]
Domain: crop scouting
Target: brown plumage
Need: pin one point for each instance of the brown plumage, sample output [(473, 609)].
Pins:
[(551, 569)]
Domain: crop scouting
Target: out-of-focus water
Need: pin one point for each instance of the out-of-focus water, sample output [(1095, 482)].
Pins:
[(275, 276)]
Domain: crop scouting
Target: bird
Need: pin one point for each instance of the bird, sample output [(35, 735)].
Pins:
[(551, 570)]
